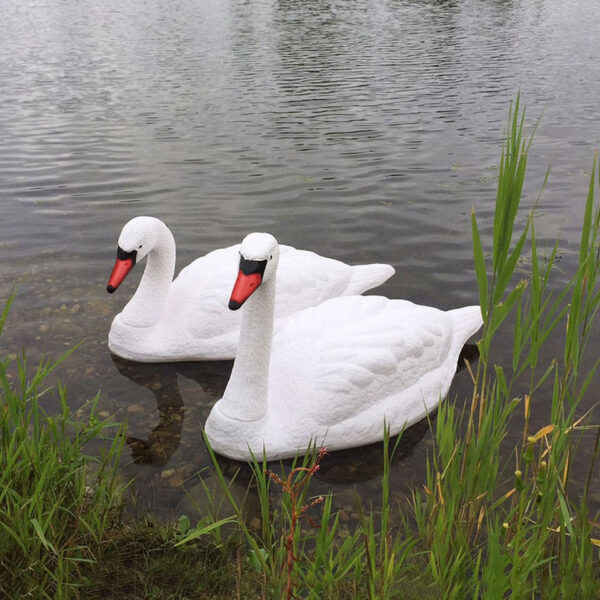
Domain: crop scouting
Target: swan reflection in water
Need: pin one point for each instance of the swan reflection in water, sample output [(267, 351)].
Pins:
[(162, 380), (347, 473), (164, 439)]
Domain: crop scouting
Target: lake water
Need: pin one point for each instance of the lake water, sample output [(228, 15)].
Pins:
[(363, 130)]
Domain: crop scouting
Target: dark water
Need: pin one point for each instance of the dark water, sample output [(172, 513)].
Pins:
[(363, 130)]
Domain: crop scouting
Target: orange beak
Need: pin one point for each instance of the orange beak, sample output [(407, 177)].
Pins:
[(244, 287), (124, 263)]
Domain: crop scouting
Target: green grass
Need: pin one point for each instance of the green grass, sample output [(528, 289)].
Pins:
[(493, 518), (56, 502)]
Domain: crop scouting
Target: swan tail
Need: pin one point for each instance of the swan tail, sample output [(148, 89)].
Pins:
[(466, 321), (365, 277)]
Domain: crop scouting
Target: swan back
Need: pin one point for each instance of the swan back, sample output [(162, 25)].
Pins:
[(359, 350)]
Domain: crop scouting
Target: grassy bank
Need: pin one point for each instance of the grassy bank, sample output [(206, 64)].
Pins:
[(491, 520), (56, 502)]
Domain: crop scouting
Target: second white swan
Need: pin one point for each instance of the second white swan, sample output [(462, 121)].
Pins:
[(188, 319), (334, 373)]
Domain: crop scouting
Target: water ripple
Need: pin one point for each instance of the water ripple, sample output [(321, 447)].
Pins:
[(363, 130)]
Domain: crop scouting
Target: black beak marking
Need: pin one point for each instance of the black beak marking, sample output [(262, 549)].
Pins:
[(122, 255), (249, 267)]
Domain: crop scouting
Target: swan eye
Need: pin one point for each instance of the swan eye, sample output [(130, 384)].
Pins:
[(271, 257), (140, 246)]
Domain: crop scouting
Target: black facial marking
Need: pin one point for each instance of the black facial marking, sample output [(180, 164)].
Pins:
[(122, 255), (249, 267)]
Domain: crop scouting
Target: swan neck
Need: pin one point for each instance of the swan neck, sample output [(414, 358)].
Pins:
[(146, 307), (246, 395)]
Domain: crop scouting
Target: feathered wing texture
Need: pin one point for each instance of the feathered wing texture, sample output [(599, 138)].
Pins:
[(200, 293), (361, 351), (306, 279)]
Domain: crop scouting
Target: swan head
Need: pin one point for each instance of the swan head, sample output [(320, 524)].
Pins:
[(259, 255), (137, 238)]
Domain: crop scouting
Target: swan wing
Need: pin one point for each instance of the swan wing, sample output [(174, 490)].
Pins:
[(307, 279), (203, 288), (200, 294), (356, 351)]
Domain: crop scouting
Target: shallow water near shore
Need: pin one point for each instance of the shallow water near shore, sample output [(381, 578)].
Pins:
[(363, 131)]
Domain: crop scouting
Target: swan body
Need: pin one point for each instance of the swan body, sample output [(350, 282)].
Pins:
[(187, 318), (334, 373)]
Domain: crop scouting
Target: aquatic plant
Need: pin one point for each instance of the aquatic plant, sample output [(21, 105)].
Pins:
[(56, 501), (486, 538), (294, 486)]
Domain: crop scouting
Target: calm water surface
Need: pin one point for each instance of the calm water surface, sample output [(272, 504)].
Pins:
[(363, 130)]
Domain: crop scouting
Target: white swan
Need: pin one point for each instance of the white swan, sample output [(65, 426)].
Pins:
[(334, 372), (188, 319)]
